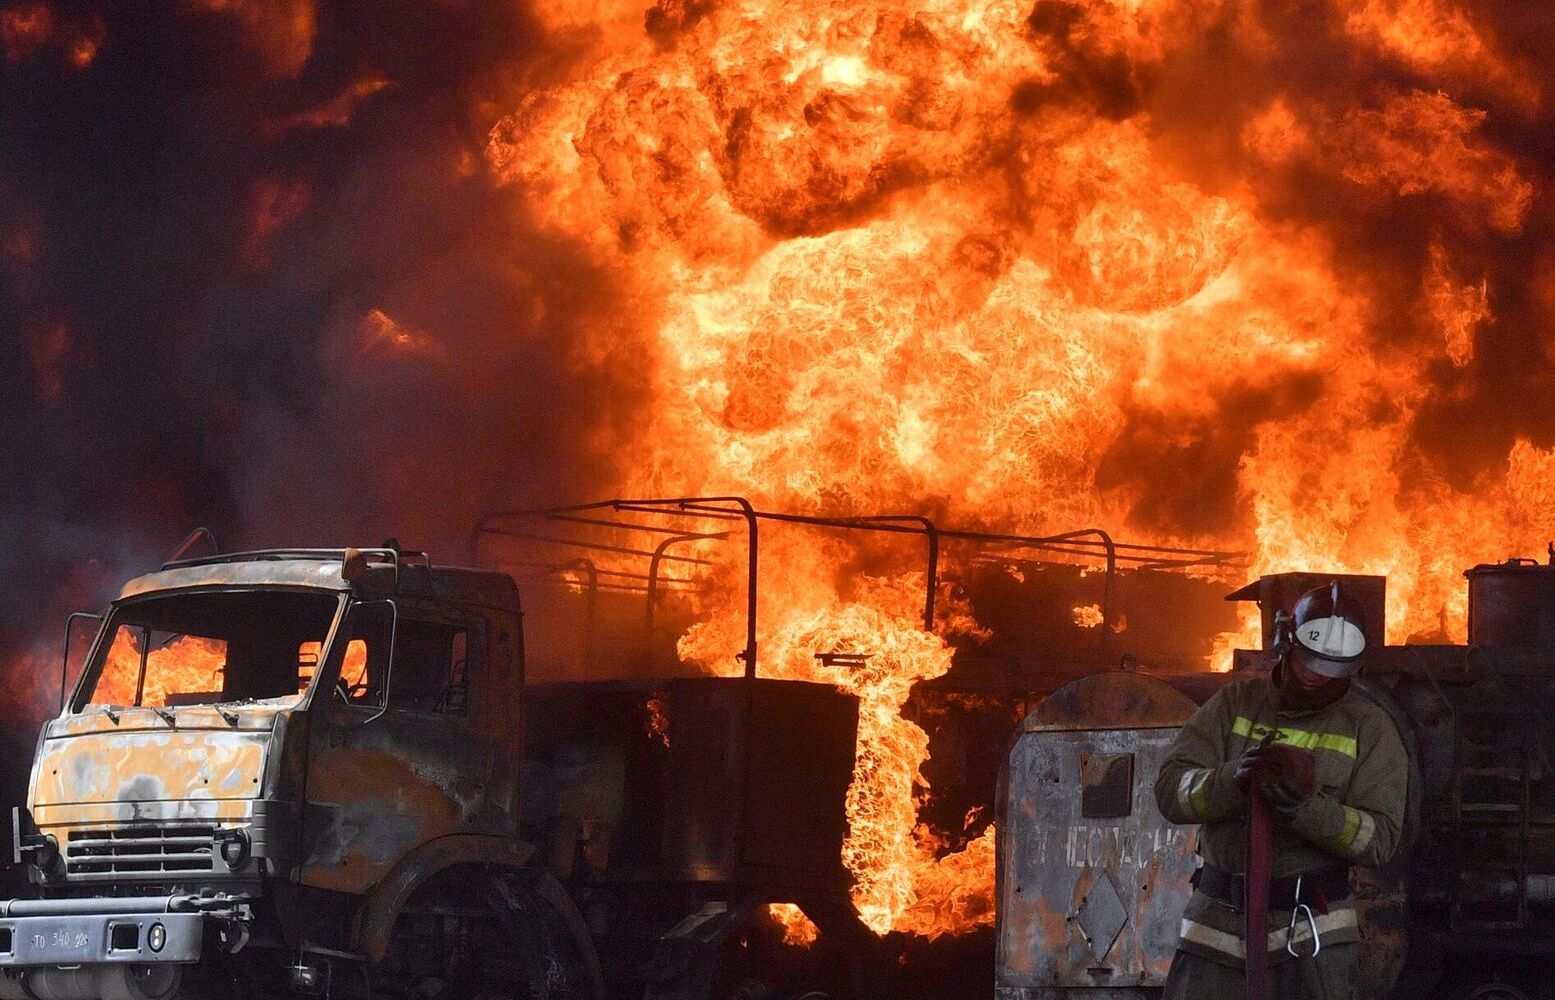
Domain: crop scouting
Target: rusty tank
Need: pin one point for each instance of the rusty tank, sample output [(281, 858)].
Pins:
[(1088, 871)]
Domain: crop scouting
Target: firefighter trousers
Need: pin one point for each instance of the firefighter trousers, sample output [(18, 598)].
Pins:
[(1331, 975)]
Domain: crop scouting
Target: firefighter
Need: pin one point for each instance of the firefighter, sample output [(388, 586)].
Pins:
[(1329, 762)]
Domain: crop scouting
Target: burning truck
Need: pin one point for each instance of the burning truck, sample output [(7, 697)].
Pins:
[(352, 772), (347, 772), (275, 761)]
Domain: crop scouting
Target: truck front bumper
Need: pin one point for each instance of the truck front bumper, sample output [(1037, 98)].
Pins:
[(41, 933)]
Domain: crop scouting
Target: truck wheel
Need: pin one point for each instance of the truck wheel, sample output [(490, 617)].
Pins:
[(1492, 991), (139, 982), (108, 982), (538, 947)]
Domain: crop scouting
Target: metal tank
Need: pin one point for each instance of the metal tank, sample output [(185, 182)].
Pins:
[(707, 779), (1512, 604), (1091, 879)]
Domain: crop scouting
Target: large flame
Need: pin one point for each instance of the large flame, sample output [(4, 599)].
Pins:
[(944, 255), (185, 665)]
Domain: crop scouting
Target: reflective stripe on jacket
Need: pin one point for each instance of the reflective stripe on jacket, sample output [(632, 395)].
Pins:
[(1362, 775), (1211, 929)]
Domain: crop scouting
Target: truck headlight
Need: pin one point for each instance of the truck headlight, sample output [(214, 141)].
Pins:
[(156, 937), (235, 847), (39, 851)]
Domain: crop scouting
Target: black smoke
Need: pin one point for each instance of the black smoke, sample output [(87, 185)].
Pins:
[(256, 275)]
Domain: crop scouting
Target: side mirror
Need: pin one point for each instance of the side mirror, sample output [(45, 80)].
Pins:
[(353, 566), (64, 665), (388, 668)]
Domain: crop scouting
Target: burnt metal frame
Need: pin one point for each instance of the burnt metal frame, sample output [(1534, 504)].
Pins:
[(1085, 542), (1093, 542), (394, 557), (64, 656), (388, 670), (1521, 717)]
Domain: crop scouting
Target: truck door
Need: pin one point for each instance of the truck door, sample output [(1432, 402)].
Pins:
[(394, 760)]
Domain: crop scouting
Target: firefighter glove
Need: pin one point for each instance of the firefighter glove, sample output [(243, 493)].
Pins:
[(1267, 762), (1285, 799), (1253, 763), (1287, 777)]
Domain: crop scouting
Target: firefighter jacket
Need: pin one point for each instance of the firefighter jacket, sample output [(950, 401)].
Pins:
[(1354, 817)]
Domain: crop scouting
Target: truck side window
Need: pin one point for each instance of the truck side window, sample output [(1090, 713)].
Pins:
[(430, 667), (352, 671), (366, 658)]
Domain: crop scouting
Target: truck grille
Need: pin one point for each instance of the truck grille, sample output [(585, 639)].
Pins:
[(132, 849)]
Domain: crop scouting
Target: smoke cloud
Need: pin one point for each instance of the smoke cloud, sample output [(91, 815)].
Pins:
[(255, 274), (328, 271)]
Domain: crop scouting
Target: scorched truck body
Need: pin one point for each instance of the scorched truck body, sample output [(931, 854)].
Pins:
[(335, 807), (315, 772), (323, 771)]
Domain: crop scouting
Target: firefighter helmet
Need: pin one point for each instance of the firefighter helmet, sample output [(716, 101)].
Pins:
[(1329, 632)]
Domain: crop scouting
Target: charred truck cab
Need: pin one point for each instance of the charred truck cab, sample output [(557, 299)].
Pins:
[(291, 771)]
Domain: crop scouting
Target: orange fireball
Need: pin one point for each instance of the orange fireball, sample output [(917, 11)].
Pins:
[(974, 258)]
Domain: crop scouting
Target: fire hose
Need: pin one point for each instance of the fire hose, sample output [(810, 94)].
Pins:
[(1255, 907), (1294, 767)]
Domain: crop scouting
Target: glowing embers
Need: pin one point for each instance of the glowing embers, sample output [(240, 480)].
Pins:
[(797, 928), (1087, 615), (29, 27), (656, 723)]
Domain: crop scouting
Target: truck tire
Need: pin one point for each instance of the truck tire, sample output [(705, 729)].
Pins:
[(141, 982), (544, 945), (107, 982), (483, 932)]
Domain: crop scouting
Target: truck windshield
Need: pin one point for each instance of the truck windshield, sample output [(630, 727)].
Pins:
[(207, 648)]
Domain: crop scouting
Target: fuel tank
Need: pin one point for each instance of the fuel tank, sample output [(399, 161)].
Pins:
[(706, 779), (1091, 878), (1512, 604)]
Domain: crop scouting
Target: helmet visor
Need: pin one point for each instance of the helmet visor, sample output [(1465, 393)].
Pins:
[(1332, 669)]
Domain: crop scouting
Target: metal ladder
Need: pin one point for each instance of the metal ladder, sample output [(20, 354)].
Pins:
[(1493, 756)]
